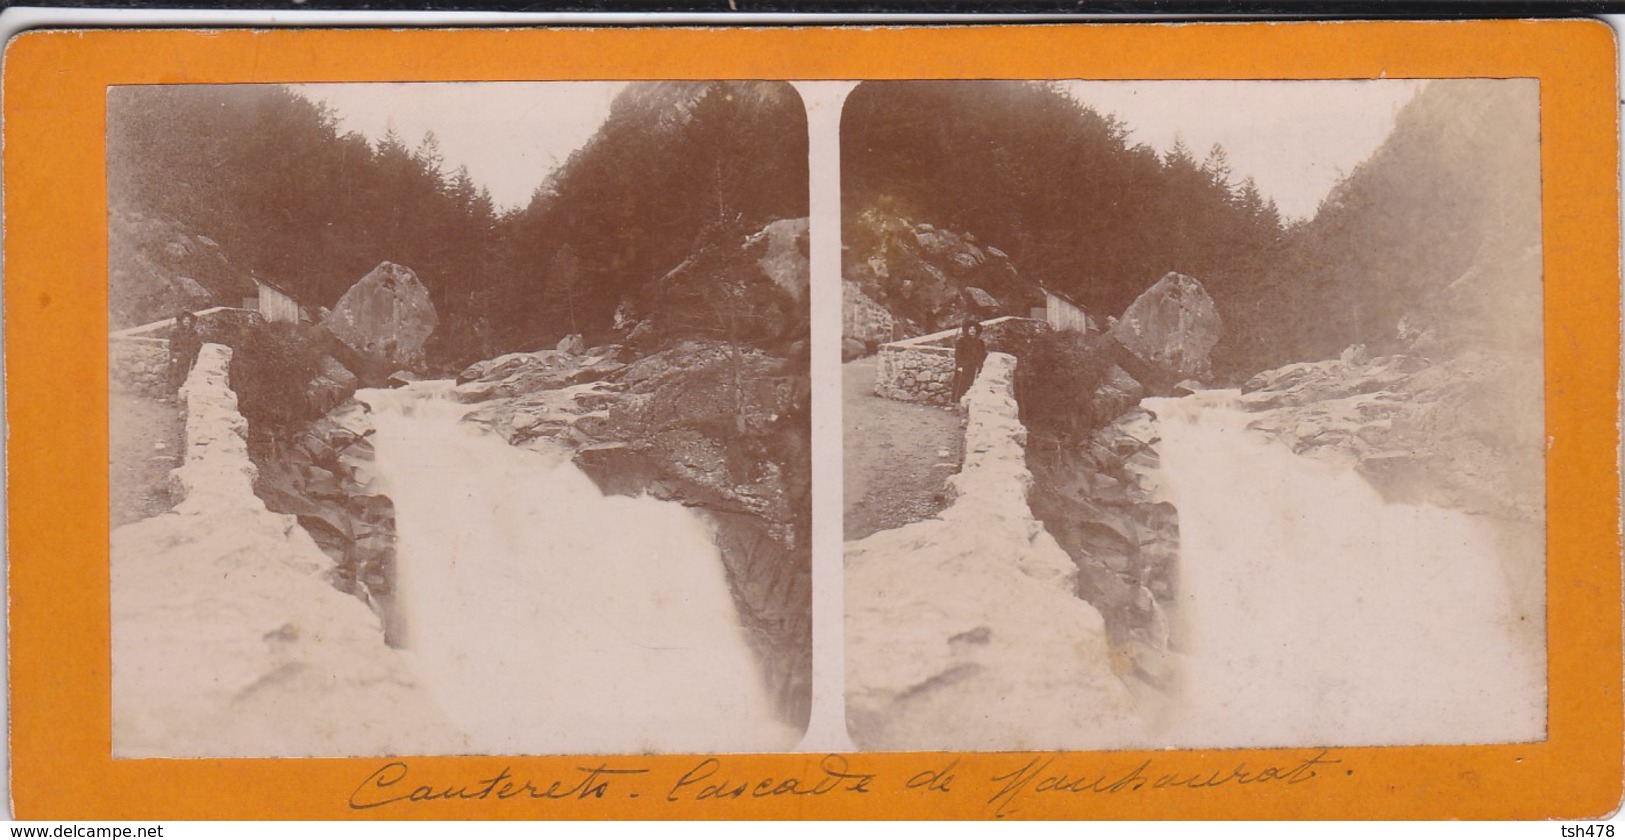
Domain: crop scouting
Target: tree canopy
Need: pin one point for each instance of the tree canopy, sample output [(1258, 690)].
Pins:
[(266, 173)]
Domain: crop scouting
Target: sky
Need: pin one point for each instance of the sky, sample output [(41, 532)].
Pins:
[(510, 135), (1295, 138)]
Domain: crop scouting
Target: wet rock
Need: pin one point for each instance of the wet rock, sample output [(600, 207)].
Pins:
[(332, 387), (1099, 498), (326, 480), (718, 427), (1465, 433)]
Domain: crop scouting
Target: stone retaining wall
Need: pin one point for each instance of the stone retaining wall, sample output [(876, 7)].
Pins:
[(138, 357), (921, 369), (227, 638), (139, 365), (915, 373)]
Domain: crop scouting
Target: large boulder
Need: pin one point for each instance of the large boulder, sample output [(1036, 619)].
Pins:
[(782, 252), (387, 316), (1173, 326)]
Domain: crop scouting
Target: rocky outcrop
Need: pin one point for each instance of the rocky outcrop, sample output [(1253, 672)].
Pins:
[(1100, 499), (518, 375), (925, 275), (157, 268), (736, 285), (386, 316), (227, 639), (782, 250), (716, 426), (963, 631), (862, 319), (325, 479), (1173, 326), (1464, 433)]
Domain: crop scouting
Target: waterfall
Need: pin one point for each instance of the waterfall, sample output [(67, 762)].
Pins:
[(1313, 612), (545, 617)]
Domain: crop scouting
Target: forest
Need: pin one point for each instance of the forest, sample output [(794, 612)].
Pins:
[(1057, 186), (265, 174)]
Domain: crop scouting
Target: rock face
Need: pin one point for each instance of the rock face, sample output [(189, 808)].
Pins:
[(332, 386), (924, 275), (326, 480), (736, 285), (862, 319), (963, 632), (227, 639), (386, 316), (1100, 499), (781, 251), (1173, 325), (718, 427), (157, 268), (1465, 433)]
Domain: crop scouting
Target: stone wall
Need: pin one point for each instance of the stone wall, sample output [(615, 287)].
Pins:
[(138, 357), (963, 631), (228, 639), (915, 373), (921, 369)]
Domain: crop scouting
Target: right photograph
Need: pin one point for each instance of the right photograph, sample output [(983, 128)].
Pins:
[(1193, 414)]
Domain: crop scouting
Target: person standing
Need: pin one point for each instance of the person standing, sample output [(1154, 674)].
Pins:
[(184, 344), (969, 353)]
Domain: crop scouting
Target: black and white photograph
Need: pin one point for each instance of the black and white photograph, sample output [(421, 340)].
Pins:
[(1190, 414), (458, 418)]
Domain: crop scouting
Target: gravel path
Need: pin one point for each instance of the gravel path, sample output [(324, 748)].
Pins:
[(898, 455), (145, 439)]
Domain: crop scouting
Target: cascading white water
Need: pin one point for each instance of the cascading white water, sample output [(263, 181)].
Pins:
[(546, 617), (1312, 612)]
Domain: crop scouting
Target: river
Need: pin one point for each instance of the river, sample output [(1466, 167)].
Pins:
[(1313, 612), (546, 617)]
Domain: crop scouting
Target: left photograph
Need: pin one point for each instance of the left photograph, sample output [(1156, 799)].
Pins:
[(462, 418)]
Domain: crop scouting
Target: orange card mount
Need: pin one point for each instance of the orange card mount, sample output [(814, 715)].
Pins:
[(618, 253)]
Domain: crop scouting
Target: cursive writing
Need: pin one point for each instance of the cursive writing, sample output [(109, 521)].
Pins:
[(705, 781), (388, 785), (1036, 777)]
